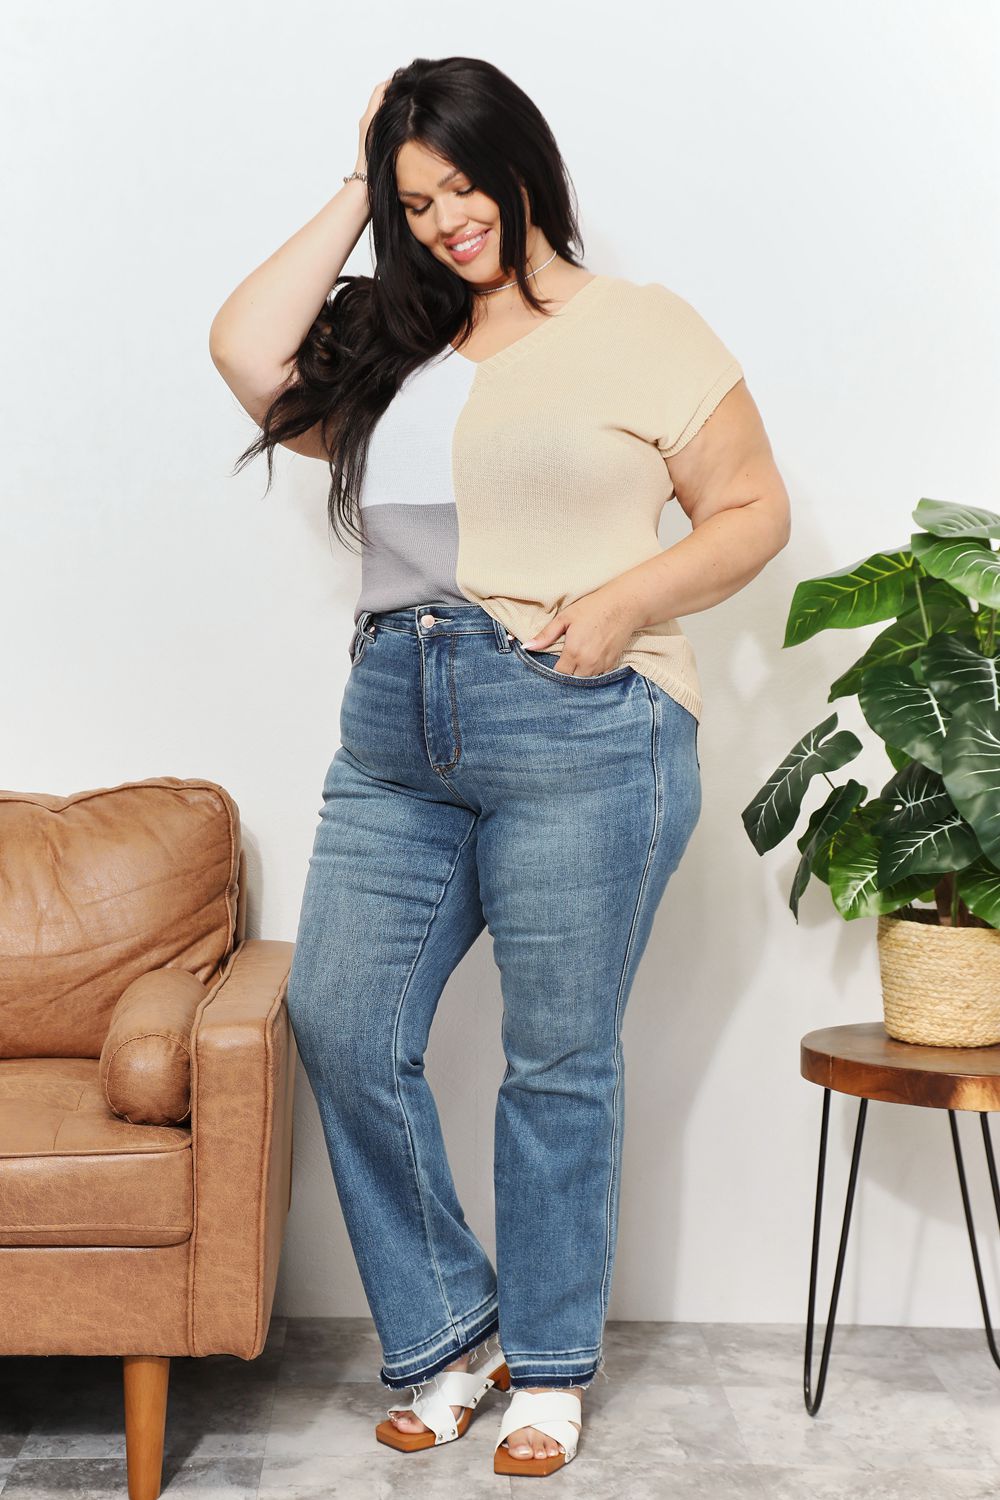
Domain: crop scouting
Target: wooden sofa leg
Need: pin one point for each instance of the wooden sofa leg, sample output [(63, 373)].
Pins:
[(146, 1379)]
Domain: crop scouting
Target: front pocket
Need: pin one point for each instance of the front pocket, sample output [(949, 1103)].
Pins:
[(534, 660)]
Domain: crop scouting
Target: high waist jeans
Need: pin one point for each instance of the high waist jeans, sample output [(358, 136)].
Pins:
[(477, 786)]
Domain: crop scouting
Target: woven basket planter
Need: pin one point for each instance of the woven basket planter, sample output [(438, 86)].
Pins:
[(940, 985)]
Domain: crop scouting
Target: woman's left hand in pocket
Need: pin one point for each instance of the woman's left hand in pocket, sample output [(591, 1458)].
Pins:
[(597, 628)]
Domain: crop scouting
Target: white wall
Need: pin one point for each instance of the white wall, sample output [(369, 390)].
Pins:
[(821, 183)]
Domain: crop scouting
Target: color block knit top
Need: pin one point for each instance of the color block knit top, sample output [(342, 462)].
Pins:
[(521, 481)]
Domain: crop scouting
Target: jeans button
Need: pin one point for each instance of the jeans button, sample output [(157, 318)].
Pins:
[(428, 620)]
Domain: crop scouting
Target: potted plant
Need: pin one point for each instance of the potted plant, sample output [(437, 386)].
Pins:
[(929, 686)]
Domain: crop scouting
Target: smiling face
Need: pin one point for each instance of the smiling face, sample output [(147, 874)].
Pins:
[(446, 212)]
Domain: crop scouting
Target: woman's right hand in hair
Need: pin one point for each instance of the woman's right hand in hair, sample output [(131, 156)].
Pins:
[(366, 119)]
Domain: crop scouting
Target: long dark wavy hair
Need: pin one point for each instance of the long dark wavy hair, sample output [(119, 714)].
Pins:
[(375, 330)]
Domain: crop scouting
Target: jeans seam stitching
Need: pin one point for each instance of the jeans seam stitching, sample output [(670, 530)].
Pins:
[(399, 1098), (453, 701), (654, 839)]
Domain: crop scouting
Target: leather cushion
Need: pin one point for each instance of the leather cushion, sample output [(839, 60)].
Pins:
[(73, 1173), (100, 887)]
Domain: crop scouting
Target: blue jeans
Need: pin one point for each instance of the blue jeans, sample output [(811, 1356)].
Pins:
[(476, 786)]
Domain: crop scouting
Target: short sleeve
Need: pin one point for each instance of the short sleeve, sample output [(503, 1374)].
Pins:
[(691, 369)]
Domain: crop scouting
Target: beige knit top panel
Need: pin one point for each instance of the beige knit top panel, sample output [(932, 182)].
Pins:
[(559, 453)]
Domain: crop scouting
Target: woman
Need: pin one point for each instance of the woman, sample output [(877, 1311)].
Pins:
[(519, 726)]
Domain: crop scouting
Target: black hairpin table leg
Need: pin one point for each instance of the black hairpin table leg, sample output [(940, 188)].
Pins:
[(988, 1143), (812, 1406)]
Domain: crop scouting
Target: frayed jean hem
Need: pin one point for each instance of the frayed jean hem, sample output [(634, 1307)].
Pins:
[(521, 1379), (397, 1380)]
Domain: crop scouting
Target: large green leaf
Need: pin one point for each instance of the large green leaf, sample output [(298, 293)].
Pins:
[(966, 562), (904, 712), (815, 842), (971, 771), (979, 888), (875, 588), (772, 812), (924, 818), (853, 869), (915, 795), (907, 637), (958, 673), (945, 518), (934, 848)]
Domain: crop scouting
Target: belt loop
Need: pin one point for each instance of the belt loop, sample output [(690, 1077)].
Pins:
[(364, 619), (503, 643)]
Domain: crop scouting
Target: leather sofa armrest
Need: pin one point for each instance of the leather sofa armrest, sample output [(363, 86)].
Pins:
[(145, 1067), (243, 1072)]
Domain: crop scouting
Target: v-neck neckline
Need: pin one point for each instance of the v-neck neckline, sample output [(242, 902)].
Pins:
[(510, 352)]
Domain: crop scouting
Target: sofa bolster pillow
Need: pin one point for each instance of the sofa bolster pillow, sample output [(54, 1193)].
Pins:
[(145, 1067)]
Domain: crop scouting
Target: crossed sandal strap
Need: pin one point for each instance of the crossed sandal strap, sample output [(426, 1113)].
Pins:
[(552, 1412), (434, 1412), (433, 1405)]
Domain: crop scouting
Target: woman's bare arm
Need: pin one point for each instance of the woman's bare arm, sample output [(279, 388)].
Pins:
[(263, 322), (260, 326)]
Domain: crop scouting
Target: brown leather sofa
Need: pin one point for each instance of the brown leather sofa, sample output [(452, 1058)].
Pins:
[(146, 1084)]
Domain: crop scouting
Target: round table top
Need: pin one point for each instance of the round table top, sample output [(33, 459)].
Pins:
[(863, 1059)]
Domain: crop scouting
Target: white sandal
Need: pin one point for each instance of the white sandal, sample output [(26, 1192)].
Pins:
[(434, 1398), (553, 1412)]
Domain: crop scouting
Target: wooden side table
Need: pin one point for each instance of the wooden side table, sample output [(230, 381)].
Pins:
[(864, 1060)]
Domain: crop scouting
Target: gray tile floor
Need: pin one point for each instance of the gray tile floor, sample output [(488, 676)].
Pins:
[(687, 1409)]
